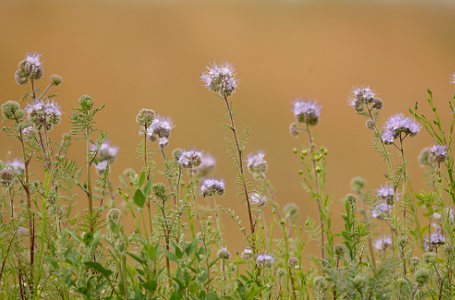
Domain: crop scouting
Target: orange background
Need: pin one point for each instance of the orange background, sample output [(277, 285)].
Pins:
[(134, 54)]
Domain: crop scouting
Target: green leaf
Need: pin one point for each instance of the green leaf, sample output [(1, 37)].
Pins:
[(170, 255), (98, 267), (139, 198)]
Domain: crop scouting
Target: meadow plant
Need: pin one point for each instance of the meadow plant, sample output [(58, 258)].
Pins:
[(394, 243)]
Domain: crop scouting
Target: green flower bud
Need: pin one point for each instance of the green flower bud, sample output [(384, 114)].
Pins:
[(12, 110), (159, 190), (86, 102), (56, 79), (422, 276), (145, 117), (357, 184)]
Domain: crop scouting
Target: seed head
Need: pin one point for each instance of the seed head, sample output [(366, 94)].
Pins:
[(306, 111), (293, 262), (145, 117), (220, 78)]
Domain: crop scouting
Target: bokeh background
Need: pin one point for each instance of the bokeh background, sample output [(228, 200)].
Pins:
[(134, 54)]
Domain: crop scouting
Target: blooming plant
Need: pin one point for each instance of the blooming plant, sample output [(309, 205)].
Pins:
[(394, 243)]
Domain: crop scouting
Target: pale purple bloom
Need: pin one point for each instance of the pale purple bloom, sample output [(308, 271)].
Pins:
[(212, 186), (436, 239), (101, 166), (207, 164), (190, 158), (106, 155), (16, 165), (256, 163), (44, 114), (381, 210), (448, 212), (265, 260), (362, 97), (220, 78), (306, 111), (163, 141), (33, 58), (439, 153), (382, 244), (159, 129), (386, 193), (398, 124), (247, 254), (27, 130), (257, 199), (453, 78)]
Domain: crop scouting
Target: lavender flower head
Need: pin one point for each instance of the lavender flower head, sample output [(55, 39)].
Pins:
[(29, 68), (436, 239), (386, 193), (448, 212), (220, 78), (44, 114), (362, 97), (247, 254), (212, 186), (258, 199), (256, 163), (381, 210), (16, 165), (190, 159), (438, 153), (398, 124), (160, 129), (264, 260), (382, 244), (453, 78), (306, 111), (105, 156), (207, 165)]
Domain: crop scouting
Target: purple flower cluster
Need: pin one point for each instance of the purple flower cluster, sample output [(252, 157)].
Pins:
[(382, 244), (247, 254), (381, 210), (453, 78), (190, 159), (16, 165), (207, 164), (29, 68), (257, 199), (256, 163), (160, 129), (44, 114), (105, 156), (398, 124), (386, 193), (306, 111), (436, 239), (438, 153), (362, 97), (212, 186), (265, 260), (220, 78)]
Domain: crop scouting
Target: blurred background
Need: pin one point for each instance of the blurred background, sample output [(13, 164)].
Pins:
[(130, 55)]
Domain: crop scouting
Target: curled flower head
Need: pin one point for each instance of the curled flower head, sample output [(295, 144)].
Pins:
[(247, 254), (220, 78), (382, 244), (207, 164), (362, 97), (381, 210), (44, 114), (436, 239), (160, 128), (16, 165), (145, 117), (425, 157), (212, 186), (256, 163), (223, 253), (29, 68), (6, 176), (105, 156), (265, 260), (306, 111), (386, 193), (398, 124), (258, 199), (190, 159), (438, 153)]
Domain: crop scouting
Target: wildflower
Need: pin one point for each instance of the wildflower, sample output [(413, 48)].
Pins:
[(221, 79), (436, 240), (257, 164), (86, 102), (386, 193), (422, 276), (448, 212), (265, 260), (16, 165), (27, 130), (160, 128), (105, 156), (398, 124), (291, 209), (370, 124), (424, 157), (145, 117), (29, 68), (429, 258), (223, 253), (212, 186), (357, 184), (293, 262), (190, 158), (44, 114), (12, 110), (320, 283), (56, 79), (113, 215), (306, 111), (207, 164), (382, 244), (381, 210), (247, 254), (362, 97), (6, 176), (339, 250), (453, 78), (21, 231), (438, 153), (258, 199)]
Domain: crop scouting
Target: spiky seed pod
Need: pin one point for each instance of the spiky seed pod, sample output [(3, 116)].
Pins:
[(145, 117), (12, 110)]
